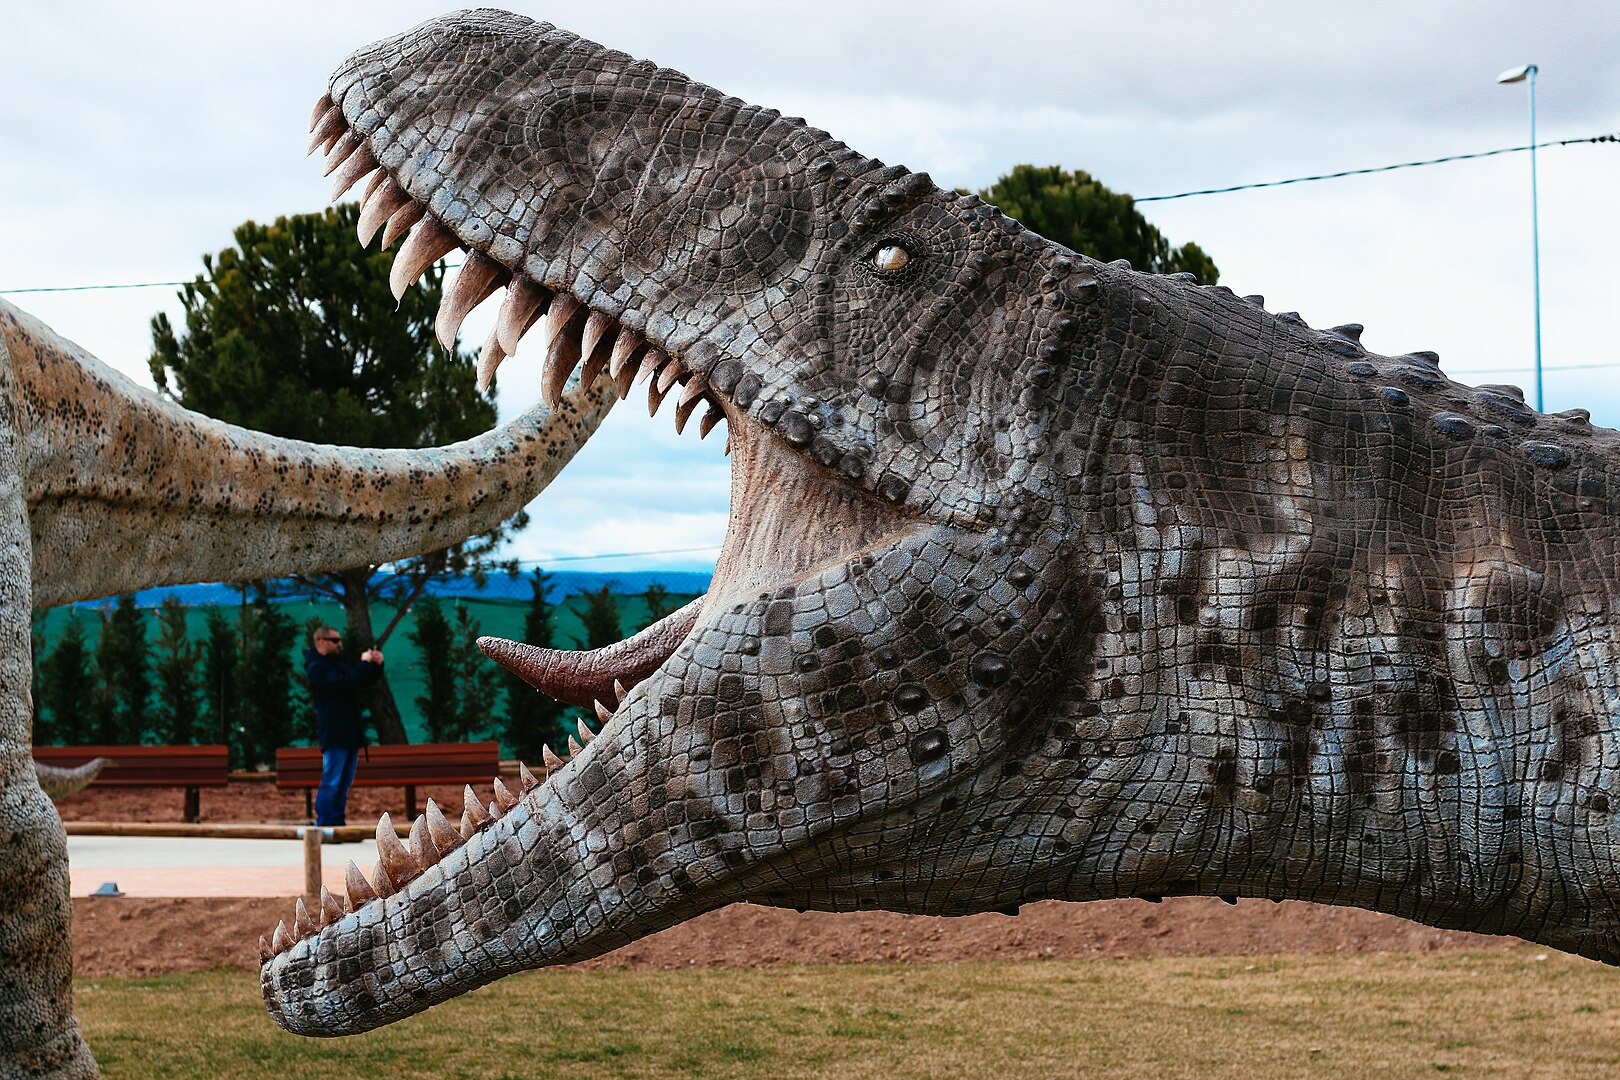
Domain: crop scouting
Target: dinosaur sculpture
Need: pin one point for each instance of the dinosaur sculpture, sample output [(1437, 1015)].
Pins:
[(106, 488), (58, 783), (1044, 578)]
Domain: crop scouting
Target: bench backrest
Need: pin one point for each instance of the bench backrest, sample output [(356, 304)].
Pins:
[(138, 766), (397, 763)]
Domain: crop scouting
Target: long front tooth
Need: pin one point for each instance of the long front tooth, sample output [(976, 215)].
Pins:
[(667, 377), (402, 220), (360, 162), (326, 128), (428, 243), (688, 402), (347, 144), (489, 358), (360, 891), (595, 345), (480, 275), (562, 348), (525, 302), (651, 363), (713, 416), (655, 396), (323, 105), (392, 856), (385, 199)]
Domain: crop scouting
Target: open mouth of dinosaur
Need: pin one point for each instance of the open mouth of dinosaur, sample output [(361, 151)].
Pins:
[(790, 515)]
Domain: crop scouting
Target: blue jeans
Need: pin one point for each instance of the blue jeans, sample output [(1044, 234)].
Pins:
[(332, 797)]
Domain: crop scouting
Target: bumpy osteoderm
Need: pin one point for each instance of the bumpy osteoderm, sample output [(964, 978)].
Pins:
[(1044, 578)]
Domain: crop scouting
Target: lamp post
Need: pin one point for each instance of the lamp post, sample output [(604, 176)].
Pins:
[(1527, 73)]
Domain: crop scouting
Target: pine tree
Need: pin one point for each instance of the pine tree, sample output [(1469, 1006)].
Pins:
[(477, 679), (124, 683), (601, 617), (658, 604), (177, 715), (533, 719), (432, 637), (1076, 211), (221, 663), (272, 702), (67, 688)]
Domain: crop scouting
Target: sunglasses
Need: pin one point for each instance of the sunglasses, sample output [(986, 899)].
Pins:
[(334, 639)]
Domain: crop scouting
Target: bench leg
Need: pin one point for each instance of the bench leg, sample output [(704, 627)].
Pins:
[(410, 803), (309, 806), (193, 804)]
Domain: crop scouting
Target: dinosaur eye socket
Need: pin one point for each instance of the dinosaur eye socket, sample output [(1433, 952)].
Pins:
[(890, 257)]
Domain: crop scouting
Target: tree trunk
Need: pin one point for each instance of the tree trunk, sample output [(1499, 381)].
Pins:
[(360, 637)]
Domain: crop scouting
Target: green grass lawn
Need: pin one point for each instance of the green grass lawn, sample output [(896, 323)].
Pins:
[(1518, 1013)]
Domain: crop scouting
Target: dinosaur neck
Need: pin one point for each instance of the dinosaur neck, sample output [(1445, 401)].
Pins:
[(126, 490)]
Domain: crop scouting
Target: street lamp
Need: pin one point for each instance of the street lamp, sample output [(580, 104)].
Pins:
[(1527, 73)]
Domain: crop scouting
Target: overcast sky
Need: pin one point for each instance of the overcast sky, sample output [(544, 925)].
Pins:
[(133, 138)]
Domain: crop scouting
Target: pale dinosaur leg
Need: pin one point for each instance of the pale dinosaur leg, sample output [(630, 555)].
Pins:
[(59, 783), (38, 1034)]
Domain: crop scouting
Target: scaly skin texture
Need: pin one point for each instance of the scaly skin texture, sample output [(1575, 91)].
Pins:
[(107, 488), (1045, 578)]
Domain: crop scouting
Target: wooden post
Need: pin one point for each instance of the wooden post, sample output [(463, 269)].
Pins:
[(410, 803), (312, 863), (193, 804)]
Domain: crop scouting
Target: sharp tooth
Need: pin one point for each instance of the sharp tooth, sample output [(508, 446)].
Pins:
[(596, 345), (325, 129), (667, 377), (381, 204), (402, 220), (489, 358), (303, 925), (331, 910), (585, 733), (710, 418), (360, 891), (562, 348), (495, 812), (266, 953), (688, 403), (347, 144), (480, 275), (322, 107), (281, 941), (441, 832), (655, 398), (373, 184), (525, 302), (602, 713), (573, 747), (424, 852), (394, 860), (650, 363), (503, 796), (552, 761), (385, 886), (618, 692), (527, 778), (360, 162), (471, 805), (469, 827), (625, 346), (625, 377), (428, 243)]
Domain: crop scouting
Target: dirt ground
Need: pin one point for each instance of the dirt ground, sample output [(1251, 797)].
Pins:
[(129, 936)]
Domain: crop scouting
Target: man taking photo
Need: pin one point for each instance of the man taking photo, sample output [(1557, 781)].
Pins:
[(335, 685)]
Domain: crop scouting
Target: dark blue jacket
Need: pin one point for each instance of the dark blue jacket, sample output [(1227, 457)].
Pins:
[(335, 685)]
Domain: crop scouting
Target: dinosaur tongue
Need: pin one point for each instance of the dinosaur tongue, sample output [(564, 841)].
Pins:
[(586, 677)]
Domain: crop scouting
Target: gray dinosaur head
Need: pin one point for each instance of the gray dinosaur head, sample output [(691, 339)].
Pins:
[(836, 725)]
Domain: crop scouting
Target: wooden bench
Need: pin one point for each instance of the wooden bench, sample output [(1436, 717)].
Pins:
[(394, 764), (190, 767)]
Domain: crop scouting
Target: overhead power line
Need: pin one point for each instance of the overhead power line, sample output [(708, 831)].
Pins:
[(1613, 137)]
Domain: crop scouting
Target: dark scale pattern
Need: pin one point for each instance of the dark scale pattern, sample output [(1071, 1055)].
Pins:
[(1046, 578)]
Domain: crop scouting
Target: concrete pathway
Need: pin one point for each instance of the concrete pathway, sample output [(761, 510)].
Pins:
[(188, 866)]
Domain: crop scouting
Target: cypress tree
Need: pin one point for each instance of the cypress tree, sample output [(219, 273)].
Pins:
[(601, 617), (656, 597), (477, 679), (432, 637), (121, 671), (533, 719), (221, 662), (269, 709), (177, 717), (67, 688)]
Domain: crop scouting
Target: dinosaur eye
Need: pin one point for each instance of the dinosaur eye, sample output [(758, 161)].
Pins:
[(890, 257)]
